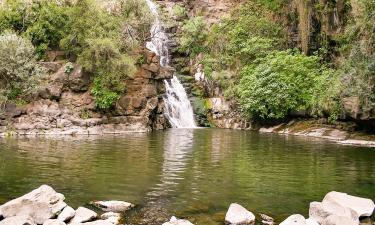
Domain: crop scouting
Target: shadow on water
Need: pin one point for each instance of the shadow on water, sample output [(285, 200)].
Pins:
[(193, 174)]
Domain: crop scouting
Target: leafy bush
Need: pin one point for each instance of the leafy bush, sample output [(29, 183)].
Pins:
[(19, 71), (193, 36), (179, 11), (282, 82)]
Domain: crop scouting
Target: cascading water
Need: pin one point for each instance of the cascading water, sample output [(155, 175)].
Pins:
[(178, 108)]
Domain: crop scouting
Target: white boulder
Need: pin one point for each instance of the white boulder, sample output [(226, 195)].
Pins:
[(338, 220), (175, 221), (112, 217), (311, 221), (83, 215), (67, 213), (41, 204), (295, 219), (362, 206), (18, 220), (237, 214), (321, 210), (54, 222), (113, 206)]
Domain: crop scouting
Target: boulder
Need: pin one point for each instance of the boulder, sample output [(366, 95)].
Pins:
[(237, 214), (66, 214), (295, 219), (311, 221), (338, 220), (83, 215), (362, 206), (54, 222), (175, 221), (321, 210), (18, 220), (108, 215), (113, 206), (41, 204)]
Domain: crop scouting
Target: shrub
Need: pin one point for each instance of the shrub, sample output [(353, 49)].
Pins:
[(19, 71), (193, 36), (282, 82)]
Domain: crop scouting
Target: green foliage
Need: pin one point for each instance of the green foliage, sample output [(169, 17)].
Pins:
[(69, 67), (280, 83), (179, 11), (19, 71), (104, 96), (194, 34)]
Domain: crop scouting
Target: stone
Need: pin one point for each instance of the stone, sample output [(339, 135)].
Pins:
[(149, 91), (41, 204), (54, 222), (295, 219), (175, 221), (67, 213), (113, 206), (79, 81), (311, 221), (18, 220), (83, 215), (362, 206), (99, 222), (338, 220), (237, 214), (321, 210), (107, 215), (165, 73), (153, 67)]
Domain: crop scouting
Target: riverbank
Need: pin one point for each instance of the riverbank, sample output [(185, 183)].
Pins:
[(47, 207)]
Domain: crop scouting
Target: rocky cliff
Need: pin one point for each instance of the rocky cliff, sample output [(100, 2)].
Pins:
[(65, 105)]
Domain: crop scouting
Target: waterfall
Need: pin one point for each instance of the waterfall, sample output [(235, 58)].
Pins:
[(178, 108)]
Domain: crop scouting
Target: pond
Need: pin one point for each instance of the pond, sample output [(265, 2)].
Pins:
[(193, 174)]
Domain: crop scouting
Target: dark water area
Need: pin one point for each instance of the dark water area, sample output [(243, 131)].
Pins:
[(193, 174)]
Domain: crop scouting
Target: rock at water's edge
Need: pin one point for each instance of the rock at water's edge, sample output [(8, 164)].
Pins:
[(113, 206), (41, 204), (175, 221), (295, 219), (18, 220), (338, 220), (237, 214), (54, 222), (321, 210), (67, 213), (83, 215), (362, 206)]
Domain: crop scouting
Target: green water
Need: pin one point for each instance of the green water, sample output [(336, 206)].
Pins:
[(193, 174)]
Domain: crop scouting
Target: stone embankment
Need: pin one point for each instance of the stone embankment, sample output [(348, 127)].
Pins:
[(44, 206), (343, 133)]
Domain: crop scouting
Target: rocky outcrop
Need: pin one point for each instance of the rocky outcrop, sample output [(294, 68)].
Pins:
[(18, 220), (238, 215), (113, 206), (66, 106), (40, 205)]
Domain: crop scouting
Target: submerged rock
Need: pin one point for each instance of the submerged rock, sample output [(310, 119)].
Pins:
[(362, 206), (266, 219), (237, 214), (83, 215), (321, 210), (67, 213), (175, 221), (112, 217), (338, 220), (18, 220), (41, 204), (295, 219), (113, 206)]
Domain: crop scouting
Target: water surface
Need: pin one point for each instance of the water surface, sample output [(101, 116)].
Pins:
[(193, 174)]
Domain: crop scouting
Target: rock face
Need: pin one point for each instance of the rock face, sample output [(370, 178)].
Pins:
[(18, 220), (67, 213), (175, 221), (114, 206), (83, 215), (66, 106), (362, 206), (296, 219), (238, 215), (41, 204)]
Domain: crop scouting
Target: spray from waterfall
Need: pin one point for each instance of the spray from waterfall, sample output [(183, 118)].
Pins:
[(178, 108)]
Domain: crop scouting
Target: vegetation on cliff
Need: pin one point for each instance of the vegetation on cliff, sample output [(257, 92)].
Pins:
[(101, 38), (250, 56)]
